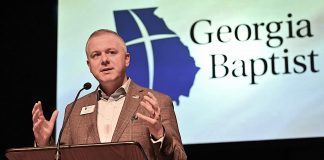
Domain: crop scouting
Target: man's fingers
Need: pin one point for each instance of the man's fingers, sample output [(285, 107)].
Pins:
[(36, 126), (53, 117), (154, 102), (148, 120), (34, 108), (40, 106), (152, 96), (36, 115), (148, 107), (37, 110), (151, 101)]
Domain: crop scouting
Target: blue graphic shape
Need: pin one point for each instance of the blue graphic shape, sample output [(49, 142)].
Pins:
[(159, 60)]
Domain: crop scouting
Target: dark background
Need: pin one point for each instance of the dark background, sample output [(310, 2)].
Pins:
[(28, 67)]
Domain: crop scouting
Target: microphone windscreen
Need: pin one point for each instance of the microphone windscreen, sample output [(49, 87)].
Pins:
[(87, 85)]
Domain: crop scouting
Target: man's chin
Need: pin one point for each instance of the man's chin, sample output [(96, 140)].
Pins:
[(107, 80)]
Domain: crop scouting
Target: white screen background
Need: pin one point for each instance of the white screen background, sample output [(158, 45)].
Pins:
[(217, 110)]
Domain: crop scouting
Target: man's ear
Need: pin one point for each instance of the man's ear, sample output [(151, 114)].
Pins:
[(127, 59), (88, 63)]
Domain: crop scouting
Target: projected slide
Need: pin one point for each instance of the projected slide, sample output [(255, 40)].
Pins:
[(235, 70)]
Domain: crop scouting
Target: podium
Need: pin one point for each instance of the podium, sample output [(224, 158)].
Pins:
[(101, 151)]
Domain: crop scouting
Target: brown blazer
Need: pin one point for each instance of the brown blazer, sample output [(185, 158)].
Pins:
[(82, 129)]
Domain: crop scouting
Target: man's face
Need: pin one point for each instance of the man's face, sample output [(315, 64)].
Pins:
[(107, 58)]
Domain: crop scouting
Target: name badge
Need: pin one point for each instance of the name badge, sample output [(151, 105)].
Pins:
[(87, 109)]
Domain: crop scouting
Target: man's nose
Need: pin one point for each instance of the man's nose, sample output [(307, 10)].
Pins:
[(105, 59)]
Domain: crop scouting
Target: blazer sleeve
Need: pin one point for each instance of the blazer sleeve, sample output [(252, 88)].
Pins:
[(172, 147), (66, 134)]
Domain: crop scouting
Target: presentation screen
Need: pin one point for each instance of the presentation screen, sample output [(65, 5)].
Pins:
[(236, 70)]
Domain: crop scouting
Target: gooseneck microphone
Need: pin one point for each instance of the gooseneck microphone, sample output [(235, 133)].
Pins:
[(86, 86)]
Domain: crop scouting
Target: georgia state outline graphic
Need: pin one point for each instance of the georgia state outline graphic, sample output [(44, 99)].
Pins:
[(159, 60)]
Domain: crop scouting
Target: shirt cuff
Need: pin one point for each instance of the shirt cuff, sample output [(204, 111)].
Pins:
[(160, 140), (157, 140), (35, 144)]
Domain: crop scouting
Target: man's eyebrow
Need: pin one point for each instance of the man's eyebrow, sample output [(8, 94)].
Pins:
[(111, 48)]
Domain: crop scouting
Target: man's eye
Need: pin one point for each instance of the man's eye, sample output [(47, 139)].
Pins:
[(112, 52), (95, 55)]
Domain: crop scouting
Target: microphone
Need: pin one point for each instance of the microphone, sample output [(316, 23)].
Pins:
[(86, 86)]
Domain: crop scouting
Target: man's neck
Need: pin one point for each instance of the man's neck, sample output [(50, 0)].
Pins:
[(110, 87)]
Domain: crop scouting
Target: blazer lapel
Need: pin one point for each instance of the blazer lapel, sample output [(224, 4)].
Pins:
[(93, 135), (133, 97)]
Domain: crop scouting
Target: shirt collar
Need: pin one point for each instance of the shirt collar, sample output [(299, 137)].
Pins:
[(119, 93)]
